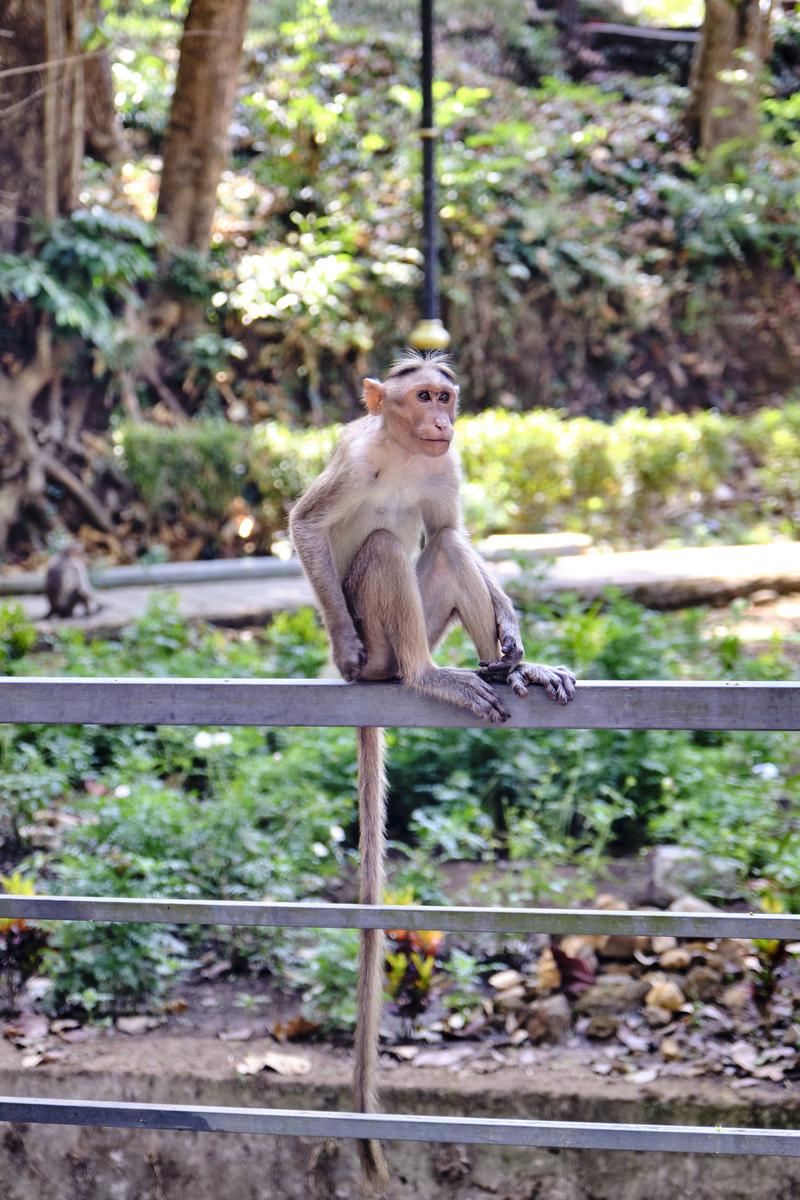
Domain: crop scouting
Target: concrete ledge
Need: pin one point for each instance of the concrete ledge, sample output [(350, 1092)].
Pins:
[(71, 1163)]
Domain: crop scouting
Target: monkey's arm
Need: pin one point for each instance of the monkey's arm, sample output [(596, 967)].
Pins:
[(446, 514), (309, 526), (558, 682)]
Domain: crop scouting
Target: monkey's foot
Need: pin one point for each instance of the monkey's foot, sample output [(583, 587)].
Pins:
[(558, 682), (467, 690)]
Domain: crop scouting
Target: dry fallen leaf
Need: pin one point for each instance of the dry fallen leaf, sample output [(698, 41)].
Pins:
[(743, 1055), (272, 1060), (26, 1029), (297, 1027)]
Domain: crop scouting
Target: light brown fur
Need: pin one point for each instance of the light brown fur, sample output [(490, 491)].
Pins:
[(392, 484)]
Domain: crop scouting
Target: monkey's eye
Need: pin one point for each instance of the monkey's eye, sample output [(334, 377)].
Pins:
[(424, 396), (444, 397)]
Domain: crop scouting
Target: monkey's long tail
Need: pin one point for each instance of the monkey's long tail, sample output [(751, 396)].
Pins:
[(372, 819)]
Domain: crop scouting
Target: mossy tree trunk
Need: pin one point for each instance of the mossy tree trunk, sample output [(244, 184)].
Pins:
[(723, 104), (41, 151), (196, 144)]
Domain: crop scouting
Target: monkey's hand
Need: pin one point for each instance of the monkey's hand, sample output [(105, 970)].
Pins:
[(508, 636), (349, 652), (558, 682)]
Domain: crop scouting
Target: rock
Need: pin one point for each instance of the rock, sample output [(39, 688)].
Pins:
[(582, 945), (548, 976), (703, 983), (692, 904), (678, 959), (737, 996), (662, 944), (613, 903), (510, 998), (501, 980), (655, 1015), (602, 1026), (665, 994), (670, 1049), (622, 945), (549, 1020), (676, 870), (612, 994)]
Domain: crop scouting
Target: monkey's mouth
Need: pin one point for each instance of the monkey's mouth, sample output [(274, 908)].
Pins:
[(436, 441)]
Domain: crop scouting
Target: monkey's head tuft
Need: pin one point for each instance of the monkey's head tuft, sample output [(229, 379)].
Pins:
[(414, 360)]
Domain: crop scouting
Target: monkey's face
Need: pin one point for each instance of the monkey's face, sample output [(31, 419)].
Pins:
[(419, 410)]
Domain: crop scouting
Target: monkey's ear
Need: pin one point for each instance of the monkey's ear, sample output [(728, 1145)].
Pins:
[(373, 395)]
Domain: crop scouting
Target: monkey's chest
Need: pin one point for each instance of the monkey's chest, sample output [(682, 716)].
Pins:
[(398, 512)]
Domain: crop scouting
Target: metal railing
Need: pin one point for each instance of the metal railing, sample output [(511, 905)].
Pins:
[(626, 705)]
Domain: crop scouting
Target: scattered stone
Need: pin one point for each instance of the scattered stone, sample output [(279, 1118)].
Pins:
[(692, 904), (613, 903), (703, 983), (670, 1049), (676, 870), (502, 980), (510, 998), (548, 976), (644, 1075), (602, 1026), (664, 943), (582, 945), (665, 994), (549, 1020), (677, 959), (622, 945), (134, 1026), (737, 996), (655, 1015), (612, 994)]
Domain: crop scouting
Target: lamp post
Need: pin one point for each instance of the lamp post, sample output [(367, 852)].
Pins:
[(430, 333)]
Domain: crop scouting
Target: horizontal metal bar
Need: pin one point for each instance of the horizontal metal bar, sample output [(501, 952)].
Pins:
[(316, 702), (397, 916), (576, 1135)]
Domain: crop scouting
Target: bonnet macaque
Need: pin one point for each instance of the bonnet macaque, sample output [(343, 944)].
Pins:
[(67, 583), (381, 539)]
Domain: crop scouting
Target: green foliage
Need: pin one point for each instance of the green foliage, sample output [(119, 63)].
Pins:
[(85, 265), (195, 469), (17, 634), (637, 480), (326, 973)]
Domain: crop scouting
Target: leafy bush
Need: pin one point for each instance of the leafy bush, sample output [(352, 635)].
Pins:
[(638, 479), (193, 471), (247, 813)]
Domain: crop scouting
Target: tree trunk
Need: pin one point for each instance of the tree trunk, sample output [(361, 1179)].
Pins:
[(104, 137), (41, 101), (724, 80), (196, 142), (41, 150)]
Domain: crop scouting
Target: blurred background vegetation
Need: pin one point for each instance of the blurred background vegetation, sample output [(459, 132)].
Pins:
[(620, 255), (594, 256)]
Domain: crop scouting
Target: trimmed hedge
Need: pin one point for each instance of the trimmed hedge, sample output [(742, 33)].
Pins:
[(638, 480)]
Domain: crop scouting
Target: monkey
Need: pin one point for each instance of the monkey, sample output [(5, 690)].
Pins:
[(67, 584), (381, 539)]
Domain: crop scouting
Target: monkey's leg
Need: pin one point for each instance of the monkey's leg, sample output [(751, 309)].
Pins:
[(452, 586), (382, 593)]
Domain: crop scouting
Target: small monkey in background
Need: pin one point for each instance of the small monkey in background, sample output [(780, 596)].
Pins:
[(66, 583), (381, 539)]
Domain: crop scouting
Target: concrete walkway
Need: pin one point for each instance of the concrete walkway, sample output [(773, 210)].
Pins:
[(659, 578)]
